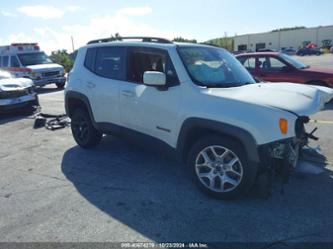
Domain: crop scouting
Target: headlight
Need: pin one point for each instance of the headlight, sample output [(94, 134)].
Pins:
[(35, 75)]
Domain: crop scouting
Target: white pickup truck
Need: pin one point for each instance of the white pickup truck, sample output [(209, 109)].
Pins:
[(26, 60)]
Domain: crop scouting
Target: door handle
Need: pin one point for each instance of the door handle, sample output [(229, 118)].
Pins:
[(127, 93), (91, 84)]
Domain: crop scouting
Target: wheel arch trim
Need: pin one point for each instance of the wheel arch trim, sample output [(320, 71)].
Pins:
[(247, 140), (81, 97)]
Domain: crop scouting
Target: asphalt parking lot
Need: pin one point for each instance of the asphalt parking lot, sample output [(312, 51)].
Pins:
[(52, 190)]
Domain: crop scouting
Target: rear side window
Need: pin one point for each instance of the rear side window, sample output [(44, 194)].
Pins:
[(89, 61), (14, 62), (249, 63), (110, 62), (141, 60)]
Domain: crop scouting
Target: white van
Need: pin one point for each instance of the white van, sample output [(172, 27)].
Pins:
[(26, 60)]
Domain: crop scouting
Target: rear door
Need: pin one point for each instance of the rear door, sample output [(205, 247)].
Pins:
[(105, 71)]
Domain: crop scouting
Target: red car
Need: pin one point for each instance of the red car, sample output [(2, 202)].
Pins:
[(279, 67)]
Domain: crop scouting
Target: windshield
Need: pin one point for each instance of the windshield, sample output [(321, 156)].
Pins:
[(5, 75), (293, 61), (214, 67), (30, 59)]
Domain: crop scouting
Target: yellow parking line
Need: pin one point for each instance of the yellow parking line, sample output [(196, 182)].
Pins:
[(321, 121)]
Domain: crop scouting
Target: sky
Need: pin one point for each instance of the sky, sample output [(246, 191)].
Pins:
[(52, 23)]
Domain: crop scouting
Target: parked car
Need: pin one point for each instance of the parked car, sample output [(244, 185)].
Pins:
[(331, 50), (279, 67), (16, 93), (308, 51), (289, 51), (195, 100), (28, 61)]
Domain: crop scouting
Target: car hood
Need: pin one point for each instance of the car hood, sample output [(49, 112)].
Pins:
[(13, 84), (302, 100), (46, 67), (319, 70)]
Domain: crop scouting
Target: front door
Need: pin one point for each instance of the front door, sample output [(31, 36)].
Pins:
[(148, 109)]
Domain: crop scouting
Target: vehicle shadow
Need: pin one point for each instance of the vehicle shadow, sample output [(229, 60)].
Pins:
[(154, 196), (16, 115), (47, 89)]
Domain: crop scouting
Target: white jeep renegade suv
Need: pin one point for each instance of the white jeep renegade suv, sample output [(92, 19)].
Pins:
[(197, 100)]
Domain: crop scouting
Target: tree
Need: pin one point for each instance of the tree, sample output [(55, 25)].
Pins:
[(287, 29), (223, 42), (63, 58)]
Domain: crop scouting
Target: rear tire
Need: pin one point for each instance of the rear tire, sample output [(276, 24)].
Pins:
[(60, 85), (83, 131), (220, 168)]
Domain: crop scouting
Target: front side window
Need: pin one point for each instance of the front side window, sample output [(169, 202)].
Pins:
[(30, 59), (14, 62), (271, 64), (141, 60), (110, 62), (214, 67)]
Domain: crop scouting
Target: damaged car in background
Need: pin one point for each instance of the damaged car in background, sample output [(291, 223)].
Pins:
[(16, 93)]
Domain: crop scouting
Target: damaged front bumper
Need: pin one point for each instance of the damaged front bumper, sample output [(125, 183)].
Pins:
[(284, 154)]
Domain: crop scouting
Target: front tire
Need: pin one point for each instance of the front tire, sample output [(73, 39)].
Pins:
[(83, 131), (220, 168)]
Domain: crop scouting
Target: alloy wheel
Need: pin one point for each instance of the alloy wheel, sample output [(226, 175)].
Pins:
[(218, 168)]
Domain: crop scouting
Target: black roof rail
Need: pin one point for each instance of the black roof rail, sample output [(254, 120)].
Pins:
[(142, 38)]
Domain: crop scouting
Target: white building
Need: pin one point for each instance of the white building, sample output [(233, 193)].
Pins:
[(280, 39)]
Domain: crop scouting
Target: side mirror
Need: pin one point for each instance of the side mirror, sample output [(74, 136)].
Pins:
[(153, 78)]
